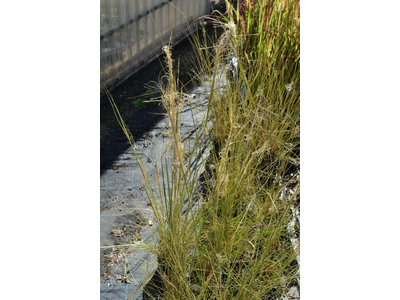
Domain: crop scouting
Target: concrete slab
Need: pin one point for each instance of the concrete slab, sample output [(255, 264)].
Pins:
[(126, 264)]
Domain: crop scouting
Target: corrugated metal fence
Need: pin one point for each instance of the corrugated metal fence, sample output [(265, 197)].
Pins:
[(132, 32)]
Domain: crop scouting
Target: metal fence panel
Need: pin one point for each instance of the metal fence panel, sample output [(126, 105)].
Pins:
[(132, 32)]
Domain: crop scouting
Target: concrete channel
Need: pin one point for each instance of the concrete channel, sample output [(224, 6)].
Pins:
[(127, 221)]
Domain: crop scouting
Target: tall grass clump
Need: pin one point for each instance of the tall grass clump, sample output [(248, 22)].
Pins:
[(244, 251), (235, 245)]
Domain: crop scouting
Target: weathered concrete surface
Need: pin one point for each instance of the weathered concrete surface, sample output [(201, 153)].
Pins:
[(126, 214)]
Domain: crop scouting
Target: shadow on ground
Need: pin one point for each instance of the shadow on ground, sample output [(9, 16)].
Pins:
[(132, 99)]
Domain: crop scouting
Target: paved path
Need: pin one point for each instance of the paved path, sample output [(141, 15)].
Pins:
[(125, 210)]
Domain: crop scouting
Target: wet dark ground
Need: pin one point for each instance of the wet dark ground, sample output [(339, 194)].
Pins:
[(131, 95)]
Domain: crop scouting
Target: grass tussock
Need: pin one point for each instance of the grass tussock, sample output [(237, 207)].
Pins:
[(235, 245)]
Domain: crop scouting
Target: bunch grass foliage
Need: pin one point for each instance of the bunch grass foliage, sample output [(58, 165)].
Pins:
[(234, 245)]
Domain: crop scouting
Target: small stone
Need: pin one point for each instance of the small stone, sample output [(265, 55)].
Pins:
[(289, 87), (118, 232)]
